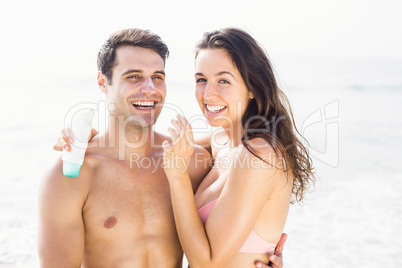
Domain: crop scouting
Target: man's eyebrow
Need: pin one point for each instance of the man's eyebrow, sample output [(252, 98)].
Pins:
[(160, 72), (132, 71), (141, 71)]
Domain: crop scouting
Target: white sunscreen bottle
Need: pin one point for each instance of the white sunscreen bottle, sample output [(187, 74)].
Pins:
[(81, 125)]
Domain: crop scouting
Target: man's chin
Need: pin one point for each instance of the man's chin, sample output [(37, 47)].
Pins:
[(144, 124)]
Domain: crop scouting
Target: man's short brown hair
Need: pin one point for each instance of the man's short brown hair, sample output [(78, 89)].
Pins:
[(132, 37)]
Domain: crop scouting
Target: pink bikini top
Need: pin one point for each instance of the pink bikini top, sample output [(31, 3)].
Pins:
[(253, 244)]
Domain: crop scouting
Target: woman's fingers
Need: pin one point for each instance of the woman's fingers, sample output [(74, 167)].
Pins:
[(65, 144), (166, 147), (181, 135), (58, 146), (66, 133), (66, 138), (188, 131), (62, 142), (94, 132), (173, 135), (179, 128)]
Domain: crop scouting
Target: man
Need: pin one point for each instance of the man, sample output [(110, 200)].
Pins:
[(117, 213)]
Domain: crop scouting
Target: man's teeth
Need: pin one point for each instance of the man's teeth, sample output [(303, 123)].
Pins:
[(215, 108), (143, 104)]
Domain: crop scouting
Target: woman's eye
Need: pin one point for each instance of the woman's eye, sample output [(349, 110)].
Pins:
[(223, 81), (199, 80)]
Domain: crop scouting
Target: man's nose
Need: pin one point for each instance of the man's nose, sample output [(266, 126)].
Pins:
[(148, 86)]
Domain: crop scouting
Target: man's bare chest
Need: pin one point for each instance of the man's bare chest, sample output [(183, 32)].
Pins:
[(129, 202)]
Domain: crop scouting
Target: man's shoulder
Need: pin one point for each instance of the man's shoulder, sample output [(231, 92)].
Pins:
[(159, 138), (97, 154), (56, 179), (55, 187), (201, 152)]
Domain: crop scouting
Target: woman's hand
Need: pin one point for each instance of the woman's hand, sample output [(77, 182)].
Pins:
[(276, 260), (66, 138), (176, 156)]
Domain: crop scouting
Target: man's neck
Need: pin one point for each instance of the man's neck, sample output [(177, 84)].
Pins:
[(125, 140)]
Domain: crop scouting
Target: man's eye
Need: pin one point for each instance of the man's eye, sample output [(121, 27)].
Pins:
[(134, 76), (157, 77)]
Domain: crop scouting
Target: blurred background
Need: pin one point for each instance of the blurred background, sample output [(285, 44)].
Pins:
[(339, 62)]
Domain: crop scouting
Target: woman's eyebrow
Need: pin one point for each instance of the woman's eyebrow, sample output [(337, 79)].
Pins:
[(218, 74), (225, 72)]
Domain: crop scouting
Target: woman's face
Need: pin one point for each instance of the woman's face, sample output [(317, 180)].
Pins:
[(220, 88)]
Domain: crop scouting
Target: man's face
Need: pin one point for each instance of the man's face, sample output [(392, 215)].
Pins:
[(138, 87)]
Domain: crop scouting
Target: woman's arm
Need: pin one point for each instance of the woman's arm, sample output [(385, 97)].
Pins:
[(234, 214), (212, 142)]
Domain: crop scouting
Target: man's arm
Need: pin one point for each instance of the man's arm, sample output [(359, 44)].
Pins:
[(61, 237)]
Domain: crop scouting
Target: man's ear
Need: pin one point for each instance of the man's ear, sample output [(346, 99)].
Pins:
[(102, 82)]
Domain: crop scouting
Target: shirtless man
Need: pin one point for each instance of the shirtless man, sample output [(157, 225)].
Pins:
[(117, 213)]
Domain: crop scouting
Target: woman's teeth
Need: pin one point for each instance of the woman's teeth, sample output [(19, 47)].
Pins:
[(215, 108)]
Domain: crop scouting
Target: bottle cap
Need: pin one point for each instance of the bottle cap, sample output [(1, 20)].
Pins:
[(71, 170)]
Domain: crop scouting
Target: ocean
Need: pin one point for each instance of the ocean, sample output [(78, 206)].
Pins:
[(348, 109)]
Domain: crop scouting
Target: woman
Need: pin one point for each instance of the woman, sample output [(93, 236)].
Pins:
[(240, 208)]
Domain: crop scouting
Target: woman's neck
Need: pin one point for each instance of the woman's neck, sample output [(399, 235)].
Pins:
[(235, 135)]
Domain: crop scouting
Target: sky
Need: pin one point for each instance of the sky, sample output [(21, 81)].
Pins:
[(50, 40)]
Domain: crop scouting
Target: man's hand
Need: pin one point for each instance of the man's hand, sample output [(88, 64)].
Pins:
[(276, 260)]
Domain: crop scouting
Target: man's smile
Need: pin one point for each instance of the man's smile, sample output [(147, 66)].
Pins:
[(144, 105)]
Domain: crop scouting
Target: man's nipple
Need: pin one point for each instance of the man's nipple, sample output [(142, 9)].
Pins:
[(110, 222)]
